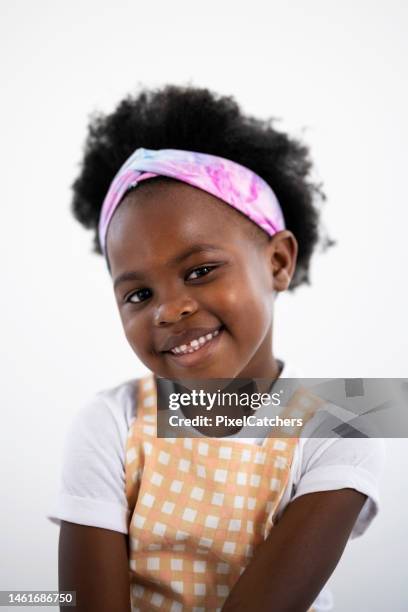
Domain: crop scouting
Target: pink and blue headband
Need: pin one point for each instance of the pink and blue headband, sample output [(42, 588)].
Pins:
[(234, 184)]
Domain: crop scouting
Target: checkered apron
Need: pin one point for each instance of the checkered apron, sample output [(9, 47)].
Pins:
[(199, 508)]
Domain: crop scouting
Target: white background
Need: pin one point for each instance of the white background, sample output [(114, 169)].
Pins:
[(336, 75)]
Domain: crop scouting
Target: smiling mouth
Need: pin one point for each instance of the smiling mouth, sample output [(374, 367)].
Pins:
[(195, 345), (193, 352)]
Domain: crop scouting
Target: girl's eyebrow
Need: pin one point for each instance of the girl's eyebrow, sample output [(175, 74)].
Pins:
[(196, 248)]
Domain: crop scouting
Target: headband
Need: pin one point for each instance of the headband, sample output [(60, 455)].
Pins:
[(234, 184)]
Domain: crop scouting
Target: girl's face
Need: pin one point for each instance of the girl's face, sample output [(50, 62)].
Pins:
[(195, 290)]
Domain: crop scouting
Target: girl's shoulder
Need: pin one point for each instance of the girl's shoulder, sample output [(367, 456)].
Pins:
[(118, 404), (120, 400), (92, 489), (102, 423)]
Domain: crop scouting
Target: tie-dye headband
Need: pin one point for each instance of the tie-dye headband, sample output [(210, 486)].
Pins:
[(234, 184)]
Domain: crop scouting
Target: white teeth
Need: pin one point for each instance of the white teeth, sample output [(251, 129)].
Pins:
[(194, 345)]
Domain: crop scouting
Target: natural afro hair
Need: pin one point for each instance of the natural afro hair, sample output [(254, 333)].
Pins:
[(196, 119)]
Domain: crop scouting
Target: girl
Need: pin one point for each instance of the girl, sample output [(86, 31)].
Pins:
[(207, 215)]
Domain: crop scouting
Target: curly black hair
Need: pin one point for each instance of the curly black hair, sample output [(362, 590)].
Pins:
[(197, 119)]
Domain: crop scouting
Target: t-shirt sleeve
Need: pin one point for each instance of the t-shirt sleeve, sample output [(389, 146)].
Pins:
[(92, 484), (339, 463)]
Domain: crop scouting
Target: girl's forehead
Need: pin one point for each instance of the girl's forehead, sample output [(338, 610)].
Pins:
[(169, 215), (179, 201)]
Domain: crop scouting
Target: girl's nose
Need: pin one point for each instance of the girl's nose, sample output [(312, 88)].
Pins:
[(172, 311)]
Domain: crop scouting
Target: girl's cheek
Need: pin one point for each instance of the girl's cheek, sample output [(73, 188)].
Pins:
[(135, 332), (235, 305), (228, 297), (127, 324)]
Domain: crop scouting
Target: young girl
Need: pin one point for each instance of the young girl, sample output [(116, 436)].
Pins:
[(207, 216)]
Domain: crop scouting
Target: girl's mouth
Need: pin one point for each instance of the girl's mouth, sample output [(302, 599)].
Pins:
[(195, 351)]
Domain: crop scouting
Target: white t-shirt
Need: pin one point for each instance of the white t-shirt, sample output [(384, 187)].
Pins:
[(92, 487)]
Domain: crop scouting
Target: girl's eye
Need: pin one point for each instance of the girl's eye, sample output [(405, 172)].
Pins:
[(139, 296), (198, 272)]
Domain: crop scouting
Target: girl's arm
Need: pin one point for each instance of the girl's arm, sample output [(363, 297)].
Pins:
[(291, 566), (94, 563)]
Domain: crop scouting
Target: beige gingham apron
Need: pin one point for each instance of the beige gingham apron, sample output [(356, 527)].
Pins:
[(199, 508)]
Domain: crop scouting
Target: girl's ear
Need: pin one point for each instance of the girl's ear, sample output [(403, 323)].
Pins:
[(282, 252)]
